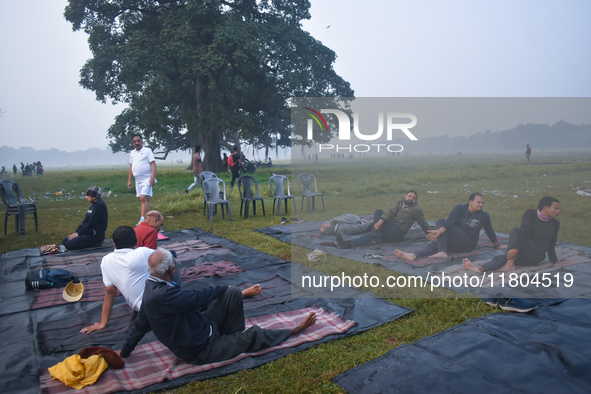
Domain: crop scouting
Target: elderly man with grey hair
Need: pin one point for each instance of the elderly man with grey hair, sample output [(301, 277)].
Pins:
[(199, 326)]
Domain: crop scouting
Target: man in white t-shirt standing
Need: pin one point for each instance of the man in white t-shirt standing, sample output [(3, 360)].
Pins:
[(142, 166), (126, 270)]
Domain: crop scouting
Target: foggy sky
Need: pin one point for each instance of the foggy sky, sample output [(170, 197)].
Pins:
[(385, 48)]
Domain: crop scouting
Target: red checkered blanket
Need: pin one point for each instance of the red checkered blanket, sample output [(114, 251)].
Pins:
[(153, 362), (59, 336)]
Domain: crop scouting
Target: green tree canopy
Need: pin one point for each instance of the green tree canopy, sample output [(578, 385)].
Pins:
[(205, 72)]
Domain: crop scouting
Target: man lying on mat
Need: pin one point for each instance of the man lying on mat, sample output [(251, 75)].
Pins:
[(529, 244), (126, 270), (459, 232), (199, 326), (392, 225), (346, 224)]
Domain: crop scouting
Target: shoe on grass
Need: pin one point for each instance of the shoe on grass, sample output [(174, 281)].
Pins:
[(186, 191), (516, 305), (492, 301)]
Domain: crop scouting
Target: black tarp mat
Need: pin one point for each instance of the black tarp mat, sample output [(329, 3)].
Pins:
[(18, 325), (307, 235), (547, 350)]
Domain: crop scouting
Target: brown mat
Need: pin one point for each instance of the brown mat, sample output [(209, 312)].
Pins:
[(80, 265), (94, 290), (90, 264)]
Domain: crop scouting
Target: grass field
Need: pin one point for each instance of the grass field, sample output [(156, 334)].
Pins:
[(509, 183)]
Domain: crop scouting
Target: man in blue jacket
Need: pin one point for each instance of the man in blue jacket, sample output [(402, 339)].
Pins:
[(199, 326), (92, 230), (459, 232)]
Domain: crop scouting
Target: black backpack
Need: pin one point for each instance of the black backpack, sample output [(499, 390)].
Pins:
[(46, 278)]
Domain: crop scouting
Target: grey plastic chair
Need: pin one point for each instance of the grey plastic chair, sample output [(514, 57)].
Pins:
[(309, 190), (278, 190), (217, 196), (247, 194), (205, 175), (208, 175), (15, 205)]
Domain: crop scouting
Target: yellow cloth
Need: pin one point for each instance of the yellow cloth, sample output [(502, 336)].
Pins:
[(78, 372)]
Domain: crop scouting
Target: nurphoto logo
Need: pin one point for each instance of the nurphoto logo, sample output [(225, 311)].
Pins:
[(346, 135)]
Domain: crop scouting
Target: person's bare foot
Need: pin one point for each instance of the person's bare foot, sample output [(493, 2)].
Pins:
[(310, 320), (472, 267), (251, 291), (509, 266), (439, 254), (405, 256)]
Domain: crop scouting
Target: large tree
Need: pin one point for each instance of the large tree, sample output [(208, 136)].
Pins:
[(214, 72)]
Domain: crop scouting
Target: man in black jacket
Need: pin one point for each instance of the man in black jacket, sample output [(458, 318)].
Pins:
[(92, 230), (200, 326)]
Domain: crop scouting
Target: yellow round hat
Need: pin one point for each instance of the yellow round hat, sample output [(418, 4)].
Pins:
[(73, 291)]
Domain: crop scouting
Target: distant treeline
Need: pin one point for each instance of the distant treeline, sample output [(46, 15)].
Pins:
[(560, 136), (55, 157), (90, 157)]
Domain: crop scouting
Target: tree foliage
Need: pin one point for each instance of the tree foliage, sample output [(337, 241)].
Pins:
[(203, 72)]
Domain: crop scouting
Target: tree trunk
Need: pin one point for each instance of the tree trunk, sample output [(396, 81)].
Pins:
[(211, 146), (211, 142), (210, 138)]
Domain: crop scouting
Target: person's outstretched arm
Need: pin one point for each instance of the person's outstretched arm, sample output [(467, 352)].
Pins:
[(110, 293)]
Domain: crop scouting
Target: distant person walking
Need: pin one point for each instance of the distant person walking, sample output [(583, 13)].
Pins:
[(527, 152), (225, 161), (197, 168), (14, 169), (142, 166)]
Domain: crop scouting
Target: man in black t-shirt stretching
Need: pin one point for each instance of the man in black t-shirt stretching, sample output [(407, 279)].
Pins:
[(528, 244)]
